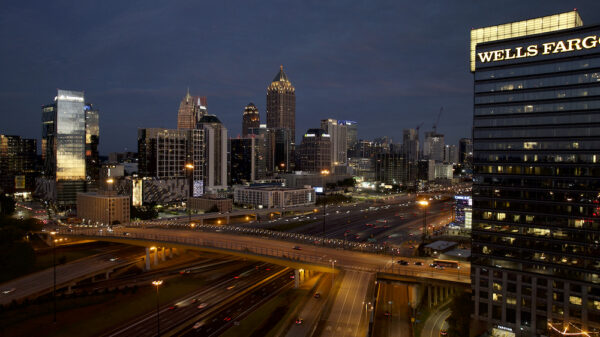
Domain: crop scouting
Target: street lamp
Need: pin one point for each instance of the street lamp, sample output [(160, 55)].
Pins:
[(332, 272), (54, 272), (190, 168), (324, 173), (424, 204), (157, 283), (110, 182)]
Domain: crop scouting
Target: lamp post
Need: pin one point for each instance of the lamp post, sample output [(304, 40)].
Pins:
[(110, 182), (332, 272), (424, 204), (54, 272), (323, 174), (157, 283), (190, 169)]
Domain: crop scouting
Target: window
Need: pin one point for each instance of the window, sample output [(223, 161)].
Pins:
[(576, 300)]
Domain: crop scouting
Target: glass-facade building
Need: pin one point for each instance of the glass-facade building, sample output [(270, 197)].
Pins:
[(63, 145), (536, 184)]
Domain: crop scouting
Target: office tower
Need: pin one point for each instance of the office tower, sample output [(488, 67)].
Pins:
[(278, 148), (250, 119), (281, 104), (191, 109), (410, 152), (17, 164), (465, 151), (450, 154), (535, 267), (339, 142), (314, 153), (351, 132), (433, 146), (164, 153), (63, 146), (92, 139), (215, 155), (390, 168), (248, 159)]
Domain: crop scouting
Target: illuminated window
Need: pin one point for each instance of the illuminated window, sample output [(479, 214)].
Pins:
[(575, 300), (530, 145), (501, 216), (497, 297), (596, 305), (497, 286), (511, 300)]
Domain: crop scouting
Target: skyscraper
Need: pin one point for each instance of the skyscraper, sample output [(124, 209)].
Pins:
[(433, 146), (410, 152), (248, 159), (338, 136), (281, 104), (63, 146), (92, 139), (535, 267), (351, 132), (17, 163), (250, 119), (191, 109), (314, 153), (215, 155), (465, 151)]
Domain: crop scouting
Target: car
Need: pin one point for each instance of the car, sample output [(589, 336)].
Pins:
[(387, 314), (8, 291), (418, 263), (297, 248), (202, 305), (227, 319), (113, 259), (230, 287), (433, 265), (443, 333), (403, 262), (299, 321), (317, 295), (198, 325), (173, 307)]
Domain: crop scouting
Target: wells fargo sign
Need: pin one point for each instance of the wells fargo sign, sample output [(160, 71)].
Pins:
[(556, 47)]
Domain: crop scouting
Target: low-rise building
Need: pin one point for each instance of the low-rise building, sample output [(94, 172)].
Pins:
[(273, 196), (104, 207), (207, 202)]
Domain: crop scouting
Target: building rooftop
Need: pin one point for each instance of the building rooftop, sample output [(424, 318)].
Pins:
[(209, 119), (281, 76), (441, 245)]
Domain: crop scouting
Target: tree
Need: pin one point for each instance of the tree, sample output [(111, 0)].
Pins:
[(17, 256), (460, 318), (213, 209)]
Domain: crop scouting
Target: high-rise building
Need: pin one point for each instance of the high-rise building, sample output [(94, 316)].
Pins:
[(63, 147), (17, 164), (450, 154), (390, 168), (351, 133), (433, 146), (164, 153), (92, 139), (215, 155), (281, 104), (248, 159), (410, 152), (278, 148), (191, 109), (338, 135), (536, 215), (314, 154), (465, 151), (250, 119)]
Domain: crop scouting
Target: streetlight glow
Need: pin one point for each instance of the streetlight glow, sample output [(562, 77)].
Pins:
[(423, 202), (157, 282), (189, 166)]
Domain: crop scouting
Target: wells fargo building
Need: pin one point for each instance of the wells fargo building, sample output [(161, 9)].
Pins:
[(536, 190)]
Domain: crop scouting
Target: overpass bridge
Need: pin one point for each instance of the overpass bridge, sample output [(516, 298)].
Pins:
[(309, 256)]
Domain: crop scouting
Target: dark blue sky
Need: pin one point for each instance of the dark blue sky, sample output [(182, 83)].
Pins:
[(388, 65)]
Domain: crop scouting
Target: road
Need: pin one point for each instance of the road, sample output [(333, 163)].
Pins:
[(392, 317), (42, 281), (435, 322), (257, 246), (311, 311), (348, 316)]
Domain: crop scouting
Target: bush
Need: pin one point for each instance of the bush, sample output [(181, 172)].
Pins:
[(460, 318)]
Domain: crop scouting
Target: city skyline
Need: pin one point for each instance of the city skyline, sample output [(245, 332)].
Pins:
[(341, 71)]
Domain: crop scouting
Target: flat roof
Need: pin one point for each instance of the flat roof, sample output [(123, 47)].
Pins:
[(441, 245)]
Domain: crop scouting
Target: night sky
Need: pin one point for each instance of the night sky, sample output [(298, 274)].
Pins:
[(388, 65)]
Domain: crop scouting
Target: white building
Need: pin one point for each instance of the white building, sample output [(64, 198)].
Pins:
[(273, 196), (339, 141)]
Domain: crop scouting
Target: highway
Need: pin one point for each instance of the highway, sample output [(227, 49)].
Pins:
[(348, 316), (259, 246), (392, 316), (42, 281), (206, 300), (312, 309), (435, 322)]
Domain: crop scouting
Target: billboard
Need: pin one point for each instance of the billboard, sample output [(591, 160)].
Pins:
[(19, 182), (198, 188)]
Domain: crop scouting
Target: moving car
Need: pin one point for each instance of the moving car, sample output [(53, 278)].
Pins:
[(198, 325), (299, 321), (317, 295)]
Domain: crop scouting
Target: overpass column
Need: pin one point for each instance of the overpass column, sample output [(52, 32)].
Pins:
[(296, 279), (429, 296), (227, 221), (162, 255), (171, 253), (147, 258), (156, 256)]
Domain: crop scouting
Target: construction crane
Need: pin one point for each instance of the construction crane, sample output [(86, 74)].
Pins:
[(419, 126), (437, 120)]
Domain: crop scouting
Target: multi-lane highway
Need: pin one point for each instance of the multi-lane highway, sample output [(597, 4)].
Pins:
[(393, 312)]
